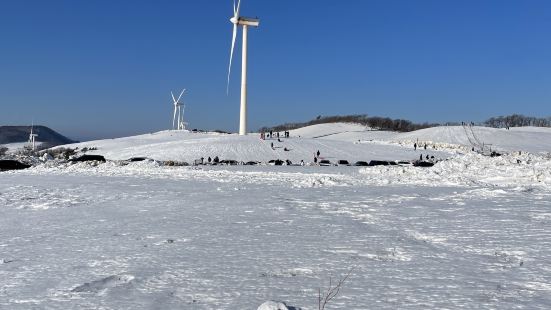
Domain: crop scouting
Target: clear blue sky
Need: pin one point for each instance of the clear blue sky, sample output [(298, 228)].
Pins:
[(103, 68)]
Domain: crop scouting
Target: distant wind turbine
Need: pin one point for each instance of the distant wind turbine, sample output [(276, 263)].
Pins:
[(32, 137), (177, 110), (237, 20)]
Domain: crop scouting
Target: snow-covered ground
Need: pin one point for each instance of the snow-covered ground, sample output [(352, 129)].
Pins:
[(15, 147), (352, 142), (187, 146), (529, 139), (470, 232)]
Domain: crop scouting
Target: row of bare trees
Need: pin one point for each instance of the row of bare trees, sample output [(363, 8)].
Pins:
[(517, 120)]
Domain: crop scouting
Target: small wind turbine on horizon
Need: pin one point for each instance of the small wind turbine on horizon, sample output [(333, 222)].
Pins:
[(178, 110), (32, 137), (237, 20)]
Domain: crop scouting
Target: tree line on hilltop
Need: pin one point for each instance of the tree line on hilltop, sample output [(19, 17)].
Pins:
[(517, 120), (402, 125)]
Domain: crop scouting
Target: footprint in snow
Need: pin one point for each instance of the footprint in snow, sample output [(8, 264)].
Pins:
[(108, 282)]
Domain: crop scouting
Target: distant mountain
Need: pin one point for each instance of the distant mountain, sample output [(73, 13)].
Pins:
[(15, 134)]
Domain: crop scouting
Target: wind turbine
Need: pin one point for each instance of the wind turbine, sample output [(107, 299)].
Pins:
[(32, 137), (237, 20), (177, 109)]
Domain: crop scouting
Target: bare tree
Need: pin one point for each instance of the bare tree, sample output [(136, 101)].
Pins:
[(332, 291)]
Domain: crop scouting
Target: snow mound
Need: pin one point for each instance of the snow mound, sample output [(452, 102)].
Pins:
[(102, 284), (528, 139), (321, 130), (275, 305), (513, 170)]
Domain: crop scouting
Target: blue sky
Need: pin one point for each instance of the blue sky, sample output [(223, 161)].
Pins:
[(92, 69)]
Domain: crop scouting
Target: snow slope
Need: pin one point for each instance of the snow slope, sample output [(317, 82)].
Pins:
[(323, 130), (528, 139), (15, 147), (187, 146), (352, 142)]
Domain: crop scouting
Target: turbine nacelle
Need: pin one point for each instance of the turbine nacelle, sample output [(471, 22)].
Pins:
[(245, 21)]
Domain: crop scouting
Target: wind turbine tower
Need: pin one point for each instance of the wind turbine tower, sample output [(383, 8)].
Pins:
[(245, 22)]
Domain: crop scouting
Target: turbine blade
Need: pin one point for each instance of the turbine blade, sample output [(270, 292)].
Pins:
[(180, 95), (231, 56), (238, 7), (234, 9), (173, 98)]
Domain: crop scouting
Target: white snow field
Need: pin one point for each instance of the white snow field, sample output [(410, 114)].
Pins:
[(188, 146), (472, 232), (352, 142), (15, 147)]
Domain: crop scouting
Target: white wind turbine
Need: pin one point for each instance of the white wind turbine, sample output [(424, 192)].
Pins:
[(177, 110), (32, 137), (245, 22)]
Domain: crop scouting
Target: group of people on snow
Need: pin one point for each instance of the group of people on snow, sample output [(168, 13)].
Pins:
[(270, 134)]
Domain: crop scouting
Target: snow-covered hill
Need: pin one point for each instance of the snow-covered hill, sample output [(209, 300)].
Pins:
[(352, 142), (187, 146), (528, 139)]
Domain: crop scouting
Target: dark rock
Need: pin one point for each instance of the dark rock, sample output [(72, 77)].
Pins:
[(9, 164), (382, 163), (276, 162), (423, 164), (89, 158), (133, 159), (175, 163), (229, 162)]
